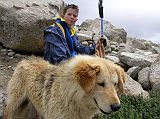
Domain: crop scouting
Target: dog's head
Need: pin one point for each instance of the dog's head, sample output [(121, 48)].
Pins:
[(103, 81)]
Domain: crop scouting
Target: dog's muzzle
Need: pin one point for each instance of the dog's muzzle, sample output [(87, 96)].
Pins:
[(114, 107)]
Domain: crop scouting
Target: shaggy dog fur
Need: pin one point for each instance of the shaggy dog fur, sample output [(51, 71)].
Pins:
[(76, 89)]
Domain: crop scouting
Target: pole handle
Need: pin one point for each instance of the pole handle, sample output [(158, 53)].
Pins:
[(100, 8)]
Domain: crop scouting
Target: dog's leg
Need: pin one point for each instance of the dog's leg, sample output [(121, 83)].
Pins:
[(12, 106)]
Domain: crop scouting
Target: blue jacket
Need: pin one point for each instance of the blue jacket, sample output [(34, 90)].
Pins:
[(56, 48)]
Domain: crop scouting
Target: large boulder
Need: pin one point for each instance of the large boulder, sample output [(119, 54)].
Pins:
[(134, 59), (133, 88), (111, 32), (22, 23)]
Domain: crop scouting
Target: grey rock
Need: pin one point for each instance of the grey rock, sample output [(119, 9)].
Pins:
[(111, 32), (133, 72), (155, 76), (143, 78), (133, 88), (132, 59), (22, 23)]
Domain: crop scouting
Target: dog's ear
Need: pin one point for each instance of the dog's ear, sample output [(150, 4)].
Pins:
[(86, 76), (121, 79)]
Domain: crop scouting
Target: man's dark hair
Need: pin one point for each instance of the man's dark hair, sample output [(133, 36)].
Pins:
[(73, 6)]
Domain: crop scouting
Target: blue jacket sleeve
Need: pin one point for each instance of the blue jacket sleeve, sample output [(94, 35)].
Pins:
[(54, 50), (80, 48)]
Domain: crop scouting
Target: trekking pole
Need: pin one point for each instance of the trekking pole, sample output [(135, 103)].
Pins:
[(100, 6)]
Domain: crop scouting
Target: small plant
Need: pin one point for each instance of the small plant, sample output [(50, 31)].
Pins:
[(136, 108)]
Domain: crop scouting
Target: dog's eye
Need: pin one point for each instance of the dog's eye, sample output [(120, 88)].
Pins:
[(101, 84), (115, 84)]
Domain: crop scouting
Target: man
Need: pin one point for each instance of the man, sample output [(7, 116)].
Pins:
[(61, 41)]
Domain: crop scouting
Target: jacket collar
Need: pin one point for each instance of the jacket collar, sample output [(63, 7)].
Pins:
[(71, 28)]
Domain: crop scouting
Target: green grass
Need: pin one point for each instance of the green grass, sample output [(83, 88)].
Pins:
[(136, 108)]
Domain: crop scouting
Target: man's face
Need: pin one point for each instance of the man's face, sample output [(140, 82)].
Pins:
[(70, 16)]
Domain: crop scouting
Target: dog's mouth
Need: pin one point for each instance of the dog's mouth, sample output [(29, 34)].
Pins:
[(100, 108)]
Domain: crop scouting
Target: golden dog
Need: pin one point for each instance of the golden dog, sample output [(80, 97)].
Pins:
[(76, 89)]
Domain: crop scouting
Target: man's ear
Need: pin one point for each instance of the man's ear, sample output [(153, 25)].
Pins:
[(86, 76), (121, 79)]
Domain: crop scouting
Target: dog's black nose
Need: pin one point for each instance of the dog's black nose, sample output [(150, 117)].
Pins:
[(115, 107)]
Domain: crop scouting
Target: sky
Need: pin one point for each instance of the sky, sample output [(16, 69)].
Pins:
[(139, 18)]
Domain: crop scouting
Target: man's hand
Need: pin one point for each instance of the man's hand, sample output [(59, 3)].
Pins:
[(100, 51)]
